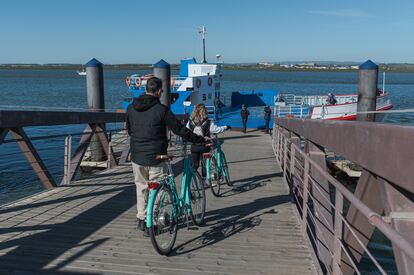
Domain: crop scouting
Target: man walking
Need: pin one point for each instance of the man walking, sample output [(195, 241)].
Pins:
[(267, 115), (147, 121), (218, 106), (244, 115)]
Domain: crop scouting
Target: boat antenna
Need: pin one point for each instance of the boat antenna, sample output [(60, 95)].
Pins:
[(202, 31)]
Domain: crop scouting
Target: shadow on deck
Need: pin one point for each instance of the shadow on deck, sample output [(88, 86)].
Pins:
[(89, 226)]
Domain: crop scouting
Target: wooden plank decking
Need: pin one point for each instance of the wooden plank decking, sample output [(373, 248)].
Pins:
[(89, 226)]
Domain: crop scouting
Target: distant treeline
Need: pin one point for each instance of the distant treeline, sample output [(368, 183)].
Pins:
[(394, 67)]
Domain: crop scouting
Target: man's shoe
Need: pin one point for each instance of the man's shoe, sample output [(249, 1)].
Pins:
[(141, 225), (146, 233)]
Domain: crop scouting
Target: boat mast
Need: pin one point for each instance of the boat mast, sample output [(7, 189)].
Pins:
[(383, 82), (202, 31)]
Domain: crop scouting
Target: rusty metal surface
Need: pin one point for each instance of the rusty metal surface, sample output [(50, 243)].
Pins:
[(385, 150), (18, 119), (33, 157)]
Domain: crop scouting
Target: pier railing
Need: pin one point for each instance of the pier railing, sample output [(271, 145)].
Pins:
[(96, 135), (338, 222)]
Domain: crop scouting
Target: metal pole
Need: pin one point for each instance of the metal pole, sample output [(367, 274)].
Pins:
[(367, 90), (162, 70), (96, 101), (67, 159), (204, 50)]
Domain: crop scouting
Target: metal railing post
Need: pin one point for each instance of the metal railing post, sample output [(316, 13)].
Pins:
[(305, 195), (67, 159), (339, 204), (109, 154), (292, 160), (285, 155)]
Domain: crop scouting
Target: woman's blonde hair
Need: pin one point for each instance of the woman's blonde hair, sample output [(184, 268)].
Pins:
[(199, 113)]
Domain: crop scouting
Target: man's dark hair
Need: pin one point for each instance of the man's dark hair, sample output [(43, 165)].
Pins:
[(153, 85)]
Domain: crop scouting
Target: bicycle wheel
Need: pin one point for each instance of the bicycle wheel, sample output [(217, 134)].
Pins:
[(163, 231), (214, 177), (197, 199), (226, 170)]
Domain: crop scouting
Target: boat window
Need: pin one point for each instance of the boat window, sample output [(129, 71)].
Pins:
[(204, 97)]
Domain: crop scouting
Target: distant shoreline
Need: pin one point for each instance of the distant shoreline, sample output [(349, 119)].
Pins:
[(397, 68)]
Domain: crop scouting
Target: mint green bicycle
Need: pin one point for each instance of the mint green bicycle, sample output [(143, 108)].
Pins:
[(165, 207), (217, 170)]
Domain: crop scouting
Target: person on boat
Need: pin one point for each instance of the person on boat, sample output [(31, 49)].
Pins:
[(244, 115), (201, 125), (280, 98), (147, 121), (267, 115), (218, 105), (331, 99)]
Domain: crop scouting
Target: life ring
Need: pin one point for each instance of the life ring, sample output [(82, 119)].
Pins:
[(198, 83), (128, 81), (138, 81), (210, 81)]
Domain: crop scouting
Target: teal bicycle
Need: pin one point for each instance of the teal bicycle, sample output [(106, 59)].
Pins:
[(217, 170), (165, 208)]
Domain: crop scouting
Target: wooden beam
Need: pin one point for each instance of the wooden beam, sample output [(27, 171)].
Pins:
[(103, 138), (80, 151), (399, 209), (368, 185), (19, 119), (3, 134), (125, 151), (33, 157)]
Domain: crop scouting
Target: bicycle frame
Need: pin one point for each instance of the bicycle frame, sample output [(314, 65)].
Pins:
[(183, 202), (219, 156)]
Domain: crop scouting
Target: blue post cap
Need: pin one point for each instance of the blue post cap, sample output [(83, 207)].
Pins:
[(93, 63), (162, 64), (368, 65)]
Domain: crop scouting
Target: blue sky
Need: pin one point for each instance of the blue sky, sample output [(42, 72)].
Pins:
[(241, 31)]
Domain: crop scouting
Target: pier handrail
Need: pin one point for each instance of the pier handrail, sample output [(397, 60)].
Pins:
[(95, 133), (384, 152)]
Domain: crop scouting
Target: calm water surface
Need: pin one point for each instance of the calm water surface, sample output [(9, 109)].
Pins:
[(27, 89)]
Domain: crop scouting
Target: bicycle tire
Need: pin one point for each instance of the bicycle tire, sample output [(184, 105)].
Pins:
[(197, 199), (226, 169), (169, 222), (214, 177)]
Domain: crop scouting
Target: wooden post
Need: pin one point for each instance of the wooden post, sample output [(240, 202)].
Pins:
[(33, 157)]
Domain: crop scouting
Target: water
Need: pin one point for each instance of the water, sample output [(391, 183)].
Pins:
[(23, 89)]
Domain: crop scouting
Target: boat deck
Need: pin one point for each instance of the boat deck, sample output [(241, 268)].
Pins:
[(89, 225)]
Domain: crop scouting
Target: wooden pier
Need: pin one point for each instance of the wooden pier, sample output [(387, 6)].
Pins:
[(89, 225)]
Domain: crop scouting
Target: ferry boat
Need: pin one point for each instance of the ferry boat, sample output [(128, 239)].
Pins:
[(200, 83), (318, 106), (196, 83)]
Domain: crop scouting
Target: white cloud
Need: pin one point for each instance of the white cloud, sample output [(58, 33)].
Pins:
[(343, 13)]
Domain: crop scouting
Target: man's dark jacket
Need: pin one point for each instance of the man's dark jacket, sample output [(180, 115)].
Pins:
[(147, 121), (268, 113)]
